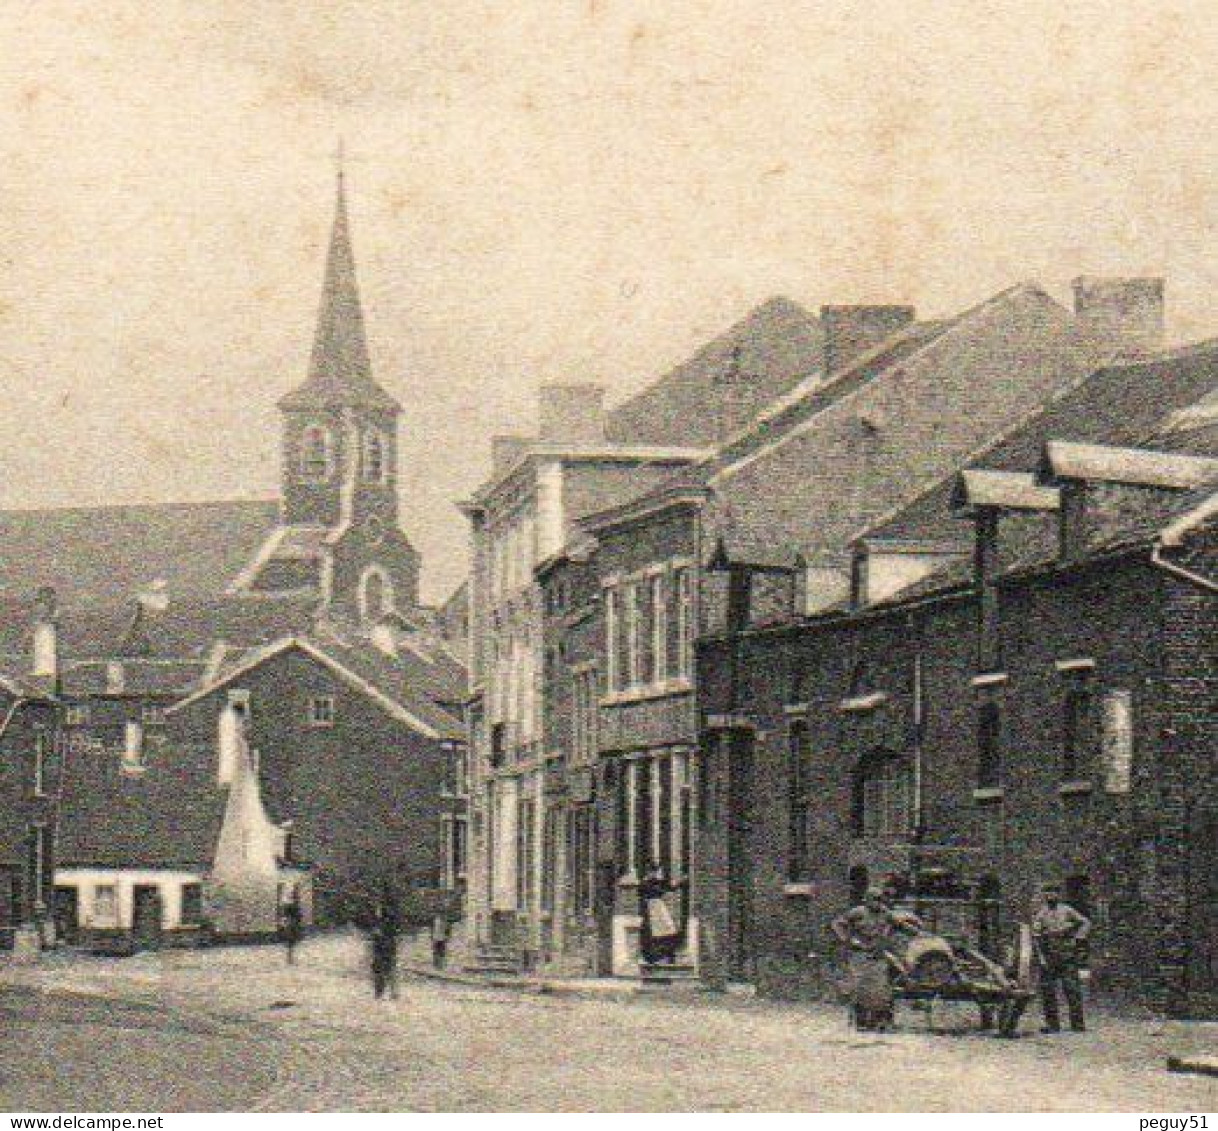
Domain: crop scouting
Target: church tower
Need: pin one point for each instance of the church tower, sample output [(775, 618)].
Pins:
[(339, 426)]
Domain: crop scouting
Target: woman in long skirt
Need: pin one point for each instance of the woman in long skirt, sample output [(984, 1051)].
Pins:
[(868, 930)]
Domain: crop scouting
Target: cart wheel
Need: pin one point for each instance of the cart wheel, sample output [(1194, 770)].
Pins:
[(934, 970)]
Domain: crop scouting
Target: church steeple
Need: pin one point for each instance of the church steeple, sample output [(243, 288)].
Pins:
[(340, 372), (339, 425)]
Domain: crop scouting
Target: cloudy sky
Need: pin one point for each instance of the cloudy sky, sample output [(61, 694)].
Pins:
[(544, 190)]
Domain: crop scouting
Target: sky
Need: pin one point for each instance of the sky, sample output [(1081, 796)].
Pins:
[(541, 191)]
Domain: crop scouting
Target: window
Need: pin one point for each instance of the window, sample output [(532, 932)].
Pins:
[(375, 595), (584, 715), (797, 802), (658, 645), (454, 832), (613, 638), (76, 715), (105, 905), (525, 853), (683, 623), (375, 465), (581, 860), (458, 770), (153, 715), (883, 796), (321, 710), (315, 455), (550, 833), (1078, 729), (633, 626), (41, 742), (989, 746), (192, 905)]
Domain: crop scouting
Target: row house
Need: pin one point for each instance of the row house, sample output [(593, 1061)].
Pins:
[(1019, 688), (769, 518), (583, 460), (348, 686)]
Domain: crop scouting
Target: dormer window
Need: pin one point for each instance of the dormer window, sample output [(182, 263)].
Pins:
[(375, 462), (316, 457)]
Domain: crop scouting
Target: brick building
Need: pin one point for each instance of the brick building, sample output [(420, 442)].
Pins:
[(1019, 688)]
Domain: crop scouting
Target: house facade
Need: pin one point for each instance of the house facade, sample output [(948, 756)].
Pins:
[(1038, 709)]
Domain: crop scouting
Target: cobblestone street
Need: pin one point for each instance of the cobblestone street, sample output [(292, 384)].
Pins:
[(236, 1029)]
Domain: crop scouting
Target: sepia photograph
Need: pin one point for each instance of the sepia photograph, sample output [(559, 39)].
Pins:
[(603, 556)]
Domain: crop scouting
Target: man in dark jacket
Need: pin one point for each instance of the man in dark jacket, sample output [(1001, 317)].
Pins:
[(1059, 932)]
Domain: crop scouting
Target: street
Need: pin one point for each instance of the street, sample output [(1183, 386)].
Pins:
[(236, 1029)]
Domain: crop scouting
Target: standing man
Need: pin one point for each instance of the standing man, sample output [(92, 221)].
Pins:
[(1058, 934), (868, 930), (292, 926)]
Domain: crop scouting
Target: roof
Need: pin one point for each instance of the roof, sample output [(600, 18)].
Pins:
[(340, 371), (132, 676), (185, 628), (1122, 403), (100, 554), (778, 346), (166, 816), (1133, 466), (406, 686)]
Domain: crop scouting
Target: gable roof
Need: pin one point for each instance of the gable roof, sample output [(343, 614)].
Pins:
[(400, 686), (1132, 466), (100, 554), (778, 345)]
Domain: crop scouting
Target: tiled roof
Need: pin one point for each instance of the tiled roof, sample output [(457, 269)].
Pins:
[(106, 554), (1125, 403), (780, 346), (166, 816)]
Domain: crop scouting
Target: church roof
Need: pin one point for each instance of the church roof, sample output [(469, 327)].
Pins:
[(106, 554), (340, 371)]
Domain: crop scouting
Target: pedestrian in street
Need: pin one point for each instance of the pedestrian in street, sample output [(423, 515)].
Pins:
[(291, 926), (384, 936), (440, 929), (869, 931), (1059, 933), (659, 935)]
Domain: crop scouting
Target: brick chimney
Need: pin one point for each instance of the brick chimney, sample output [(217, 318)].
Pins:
[(46, 635), (571, 414), (851, 331), (505, 451), (1127, 313)]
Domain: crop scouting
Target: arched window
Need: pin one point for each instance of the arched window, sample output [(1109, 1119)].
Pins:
[(376, 463), (375, 595), (315, 454), (883, 795)]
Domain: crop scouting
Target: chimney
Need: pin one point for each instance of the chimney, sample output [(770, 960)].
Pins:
[(505, 451), (851, 331), (46, 634), (736, 394), (1127, 313), (571, 414)]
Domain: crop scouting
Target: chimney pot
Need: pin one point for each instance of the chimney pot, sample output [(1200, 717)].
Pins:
[(1126, 312), (851, 331)]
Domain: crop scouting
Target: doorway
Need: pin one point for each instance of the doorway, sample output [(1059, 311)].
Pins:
[(65, 914), (146, 920)]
